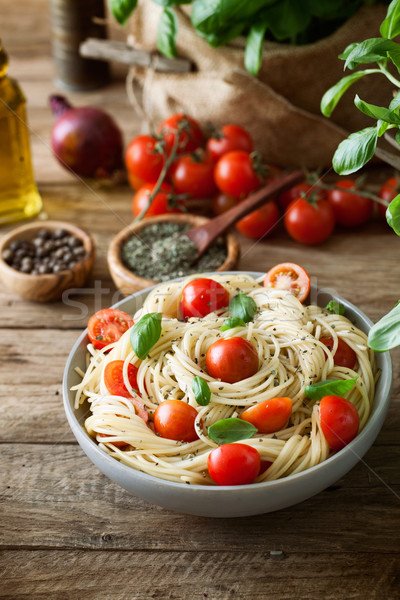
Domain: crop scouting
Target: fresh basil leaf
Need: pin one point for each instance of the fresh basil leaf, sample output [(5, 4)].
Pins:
[(232, 322), (231, 430), (201, 391), (390, 26), (122, 9), (243, 307), (385, 334), (254, 47), (382, 127), (393, 214), (145, 334), (332, 96), (395, 103), (335, 307), (286, 19), (377, 112), (397, 137), (330, 387), (371, 50), (167, 32), (354, 152)]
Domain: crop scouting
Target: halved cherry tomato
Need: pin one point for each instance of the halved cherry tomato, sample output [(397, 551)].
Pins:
[(269, 416), (193, 174), (233, 137), (388, 191), (114, 382), (339, 420), (202, 296), (309, 222), (160, 204), (232, 359), (222, 202), (344, 355), (235, 174), (259, 223), (174, 419), (350, 209), (191, 137), (143, 162), (107, 326), (233, 464), (290, 277)]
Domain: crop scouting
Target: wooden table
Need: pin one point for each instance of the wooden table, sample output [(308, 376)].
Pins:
[(66, 531)]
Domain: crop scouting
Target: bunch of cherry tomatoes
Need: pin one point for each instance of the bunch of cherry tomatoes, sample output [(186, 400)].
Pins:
[(225, 168)]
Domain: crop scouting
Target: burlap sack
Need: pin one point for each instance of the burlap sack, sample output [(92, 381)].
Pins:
[(281, 106)]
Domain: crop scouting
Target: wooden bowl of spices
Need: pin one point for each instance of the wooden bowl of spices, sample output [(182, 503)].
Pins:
[(40, 260), (146, 252)]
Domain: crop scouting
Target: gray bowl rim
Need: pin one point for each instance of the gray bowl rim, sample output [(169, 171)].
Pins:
[(138, 475)]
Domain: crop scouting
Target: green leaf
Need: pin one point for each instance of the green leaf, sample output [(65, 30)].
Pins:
[(390, 26), (371, 50), (377, 112), (231, 430), (243, 307), (332, 96), (385, 334), (254, 47), (167, 32), (395, 103), (335, 307), (145, 334), (201, 391), (354, 152), (122, 9), (393, 214), (397, 137), (232, 322), (330, 387), (382, 127), (286, 19)]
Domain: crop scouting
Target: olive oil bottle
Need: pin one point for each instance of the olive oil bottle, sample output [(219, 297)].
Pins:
[(19, 198)]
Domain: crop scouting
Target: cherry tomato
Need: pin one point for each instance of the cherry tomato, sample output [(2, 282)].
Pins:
[(344, 355), (388, 191), (265, 464), (309, 223), (233, 464), (190, 138), (194, 175), (290, 277), (114, 382), (174, 419), (298, 191), (350, 209), (160, 204), (222, 202), (143, 162), (259, 223), (107, 326), (269, 416), (233, 137), (232, 359), (202, 296), (235, 175), (339, 421)]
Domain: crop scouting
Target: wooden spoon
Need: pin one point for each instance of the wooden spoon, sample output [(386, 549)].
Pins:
[(204, 235)]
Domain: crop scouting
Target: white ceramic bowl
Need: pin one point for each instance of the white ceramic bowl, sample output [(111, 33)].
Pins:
[(230, 501)]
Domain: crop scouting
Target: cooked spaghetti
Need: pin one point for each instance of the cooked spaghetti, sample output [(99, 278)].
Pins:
[(286, 335)]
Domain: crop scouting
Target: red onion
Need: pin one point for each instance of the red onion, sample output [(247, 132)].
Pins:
[(85, 140)]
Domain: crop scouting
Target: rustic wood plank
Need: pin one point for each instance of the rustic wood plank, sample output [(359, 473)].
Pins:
[(197, 575)]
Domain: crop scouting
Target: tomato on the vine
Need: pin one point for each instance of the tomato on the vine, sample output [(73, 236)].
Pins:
[(290, 277), (222, 202), (235, 174), (261, 222), (309, 222), (174, 419), (114, 382), (232, 359), (233, 464), (297, 191), (389, 190), (202, 296), (269, 416), (193, 175), (339, 420), (160, 205), (190, 138), (143, 162), (349, 209), (107, 326), (232, 137), (344, 355)]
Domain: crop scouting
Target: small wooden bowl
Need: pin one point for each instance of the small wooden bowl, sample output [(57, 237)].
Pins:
[(127, 281), (50, 286)]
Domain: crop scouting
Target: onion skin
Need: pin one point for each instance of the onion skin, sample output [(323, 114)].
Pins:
[(85, 140)]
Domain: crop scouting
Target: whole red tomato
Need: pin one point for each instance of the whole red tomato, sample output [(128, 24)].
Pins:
[(234, 464), (259, 223), (309, 222), (222, 202), (202, 296), (174, 419), (339, 421), (160, 204), (235, 174), (350, 209), (232, 359), (143, 162), (388, 191), (194, 175), (190, 138), (233, 137)]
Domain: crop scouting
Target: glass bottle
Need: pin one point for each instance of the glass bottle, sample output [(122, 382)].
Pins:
[(19, 198)]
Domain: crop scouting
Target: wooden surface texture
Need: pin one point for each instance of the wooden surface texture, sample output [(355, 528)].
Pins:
[(66, 532)]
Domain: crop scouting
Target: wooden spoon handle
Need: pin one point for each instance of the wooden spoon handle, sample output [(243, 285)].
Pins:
[(204, 235)]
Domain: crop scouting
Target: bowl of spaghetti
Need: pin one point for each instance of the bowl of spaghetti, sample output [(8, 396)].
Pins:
[(121, 431)]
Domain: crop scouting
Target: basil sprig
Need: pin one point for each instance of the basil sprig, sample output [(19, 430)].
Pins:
[(145, 334), (385, 334), (232, 322), (243, 307), (231, 430), (201, 391), (335, 307), (330, 387)]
